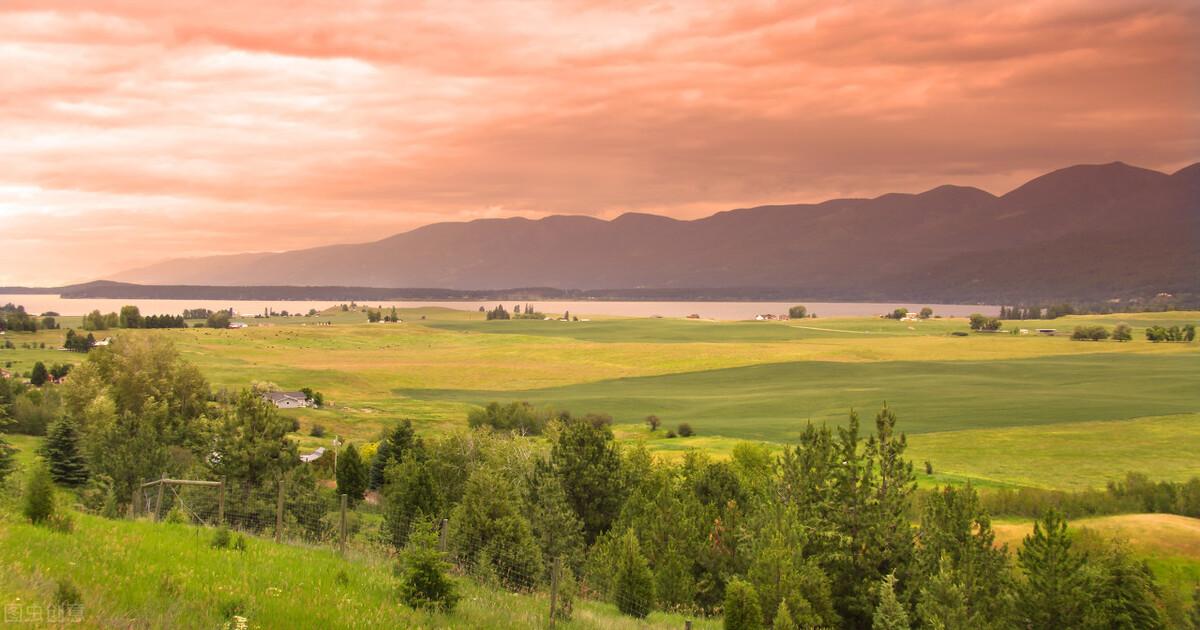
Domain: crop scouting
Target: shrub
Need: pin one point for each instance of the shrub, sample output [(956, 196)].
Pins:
[(742, 611), (1089, 333), (239, 543), (928, 467), (221, 538), (177, 516), (670, 433), (634, 590), (422, 572), (39, 495), (685, 430), (66, 595), (317, 431)]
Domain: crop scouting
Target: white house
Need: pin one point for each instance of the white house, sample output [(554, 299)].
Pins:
[(313, 456), (286, 400)]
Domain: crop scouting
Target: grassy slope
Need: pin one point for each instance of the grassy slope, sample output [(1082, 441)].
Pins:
[(141, 574)]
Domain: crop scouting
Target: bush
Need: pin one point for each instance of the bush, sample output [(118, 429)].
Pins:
[(66, 595), (221, 538), (1089, 333), (39, 495), (670, 433), (422, 572), (177, 516), (239, 543), (742, 611), (685, 430), (317, 431)]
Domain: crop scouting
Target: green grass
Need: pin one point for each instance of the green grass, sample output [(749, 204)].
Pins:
[(774, 402), (142, 574)]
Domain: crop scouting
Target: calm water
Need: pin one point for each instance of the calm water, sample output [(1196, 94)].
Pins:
[(710, 310)]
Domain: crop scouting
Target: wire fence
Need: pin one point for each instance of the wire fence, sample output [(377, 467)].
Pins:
[(286, 513)]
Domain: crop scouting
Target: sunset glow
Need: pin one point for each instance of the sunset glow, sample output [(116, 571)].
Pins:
[(135, 131)]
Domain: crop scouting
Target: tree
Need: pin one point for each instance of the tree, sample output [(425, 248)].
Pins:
[(926, 313), (783, 618), (490, 532), (653, 422), (61, 450), (742, 611), (1054, 593), (585, 459), (39, 375), (685, 430), (7, 452), (798, 312), (942, 604), (899, 313), (218, 319), (130, 317), (633, 581), (983, 322), (39, 494), (889, 613), (422, 572), (1124, 592), (1122, 332), (558, 531), (409, 497), (351, 475), (393, 447)]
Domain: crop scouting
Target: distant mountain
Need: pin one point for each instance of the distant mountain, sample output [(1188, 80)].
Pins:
[(1086, 232)]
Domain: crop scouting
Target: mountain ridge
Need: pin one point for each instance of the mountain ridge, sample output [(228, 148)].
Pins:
[(897, 244)]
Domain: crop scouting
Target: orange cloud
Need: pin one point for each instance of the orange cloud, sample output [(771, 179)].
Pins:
[(138, 130)]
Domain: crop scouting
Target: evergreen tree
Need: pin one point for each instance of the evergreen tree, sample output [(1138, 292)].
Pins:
[(490, 532), (890, 613), (61, 450), (783, 618), (634, 582), (942, 603), (39, 494), (1054, 594), (558, 530), (1124, 593), (351, 475), (422, 572), (39, 375), (409, 497), (392, 448), (742, 611), (584, 457)]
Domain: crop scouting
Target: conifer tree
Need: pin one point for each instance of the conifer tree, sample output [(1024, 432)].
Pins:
[(392, 448), (889, 613), (39, 494), (634, 582), (6, 458), (351, 475), (783, 618), (409, 496), (422, 573), (742, 611), (61, 450), (1054, 594)]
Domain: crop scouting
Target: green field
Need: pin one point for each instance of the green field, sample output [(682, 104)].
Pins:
[(998, 408)]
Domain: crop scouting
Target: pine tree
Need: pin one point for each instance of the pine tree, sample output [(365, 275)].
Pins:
[(555, 525), (634, 582), (490, 531), (783, 618), (392, 448), (890, 613), (942, 604), (39, 494), (61, 450), (39, 375), (422, 573), (1125, 594), (351, 475), (1054, 594), (409, 496), (742, 611)]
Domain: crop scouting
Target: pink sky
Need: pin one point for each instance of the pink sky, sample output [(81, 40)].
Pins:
[(135, 131)]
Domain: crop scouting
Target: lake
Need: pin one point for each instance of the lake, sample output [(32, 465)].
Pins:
[(41, 303)]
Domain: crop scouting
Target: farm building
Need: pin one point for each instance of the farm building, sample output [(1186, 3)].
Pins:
[(286, 400)]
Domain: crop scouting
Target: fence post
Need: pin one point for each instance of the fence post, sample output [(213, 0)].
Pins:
[(342, 528), (221, 504), (135, 505), (554, 577), (279, 512), (687, 625), (442, 535), (162, 483)]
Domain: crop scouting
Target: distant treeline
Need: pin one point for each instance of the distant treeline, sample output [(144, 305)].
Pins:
[(1136, 493)]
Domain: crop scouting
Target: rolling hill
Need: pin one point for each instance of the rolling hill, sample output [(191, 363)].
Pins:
[(1087, 232)]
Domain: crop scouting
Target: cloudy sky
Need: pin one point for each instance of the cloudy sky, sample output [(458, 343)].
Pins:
[(132, 131)]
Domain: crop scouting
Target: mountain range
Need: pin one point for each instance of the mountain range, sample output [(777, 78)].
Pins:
[(1086, 232)]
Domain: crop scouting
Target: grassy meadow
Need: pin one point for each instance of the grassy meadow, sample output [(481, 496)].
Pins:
[(1005, 409)]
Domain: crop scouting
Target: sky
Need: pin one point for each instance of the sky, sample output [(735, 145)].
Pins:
[(136, 131)]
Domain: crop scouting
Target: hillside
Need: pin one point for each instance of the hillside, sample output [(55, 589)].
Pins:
[(1087, 232)]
